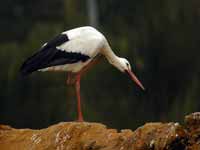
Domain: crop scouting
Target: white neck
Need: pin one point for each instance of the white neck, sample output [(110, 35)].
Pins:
[(110, 55)]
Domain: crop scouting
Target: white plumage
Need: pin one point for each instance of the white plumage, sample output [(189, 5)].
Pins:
[(74, 51), (83, 40)]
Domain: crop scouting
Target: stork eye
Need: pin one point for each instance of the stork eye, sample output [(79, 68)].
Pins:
[(127, 64)]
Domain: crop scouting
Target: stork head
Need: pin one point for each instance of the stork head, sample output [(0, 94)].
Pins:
[(124, 66)]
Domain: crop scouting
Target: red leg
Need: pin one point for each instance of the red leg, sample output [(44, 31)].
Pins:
[(92, 63), (80, 116), (70, 78)]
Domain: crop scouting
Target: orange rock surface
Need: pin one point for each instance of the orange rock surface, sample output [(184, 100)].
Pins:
[(96, 136)]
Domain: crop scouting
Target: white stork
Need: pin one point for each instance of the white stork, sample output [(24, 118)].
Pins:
[(75, 51)]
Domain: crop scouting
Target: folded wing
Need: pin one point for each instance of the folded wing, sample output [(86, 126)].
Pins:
[(51, 55)]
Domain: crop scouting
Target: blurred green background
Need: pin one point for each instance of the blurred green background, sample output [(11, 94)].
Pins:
[(159, 38)]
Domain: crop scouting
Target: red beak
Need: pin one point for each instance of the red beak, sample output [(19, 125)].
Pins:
[(135, 79)]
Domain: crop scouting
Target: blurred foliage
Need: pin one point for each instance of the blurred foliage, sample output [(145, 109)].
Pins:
[(160, 38)]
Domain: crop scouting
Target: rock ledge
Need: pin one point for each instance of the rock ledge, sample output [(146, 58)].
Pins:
[(96, 136)]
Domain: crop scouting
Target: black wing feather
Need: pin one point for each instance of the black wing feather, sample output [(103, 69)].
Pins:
[(49, 56)]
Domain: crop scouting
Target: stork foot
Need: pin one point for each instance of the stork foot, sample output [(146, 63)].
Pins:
[(80, 120)]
